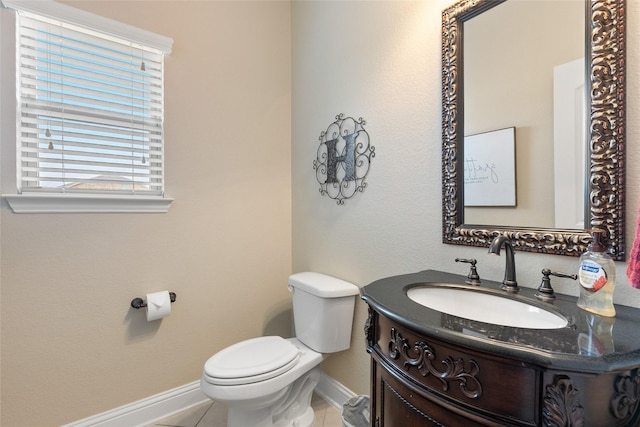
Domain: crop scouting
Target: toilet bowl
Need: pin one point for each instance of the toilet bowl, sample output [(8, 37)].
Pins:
[(269, 381), (251, 400)]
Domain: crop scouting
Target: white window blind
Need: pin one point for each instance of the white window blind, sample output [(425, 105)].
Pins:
[(90, 110)]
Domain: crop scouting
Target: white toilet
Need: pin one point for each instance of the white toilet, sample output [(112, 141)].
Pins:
[(268, 381)]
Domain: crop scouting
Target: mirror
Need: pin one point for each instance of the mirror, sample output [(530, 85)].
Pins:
[(604, 141)]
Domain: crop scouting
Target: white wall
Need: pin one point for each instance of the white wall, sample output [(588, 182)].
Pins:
[(238, 95), (381, 61), (71, 345)]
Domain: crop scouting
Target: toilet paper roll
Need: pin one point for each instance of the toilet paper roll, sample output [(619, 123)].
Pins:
[(158, 305)]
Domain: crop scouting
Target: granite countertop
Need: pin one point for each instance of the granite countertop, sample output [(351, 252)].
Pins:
[(589, 343)]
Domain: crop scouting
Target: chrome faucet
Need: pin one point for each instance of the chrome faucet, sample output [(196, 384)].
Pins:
[(509, 283)]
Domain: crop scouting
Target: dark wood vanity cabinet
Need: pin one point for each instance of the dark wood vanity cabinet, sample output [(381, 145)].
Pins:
[(430, 368), (419, 380), (444, 385)]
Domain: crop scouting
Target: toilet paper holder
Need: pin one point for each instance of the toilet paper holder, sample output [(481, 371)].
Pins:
[(140, 303)]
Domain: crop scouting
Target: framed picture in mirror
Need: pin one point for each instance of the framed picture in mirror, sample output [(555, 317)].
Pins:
[(490, 168)]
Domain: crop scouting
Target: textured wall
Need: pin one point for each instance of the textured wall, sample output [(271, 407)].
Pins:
[(71, 346), (382, 62), (225, 246)]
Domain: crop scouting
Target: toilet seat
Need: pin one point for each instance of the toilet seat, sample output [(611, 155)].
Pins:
[(250, 361)]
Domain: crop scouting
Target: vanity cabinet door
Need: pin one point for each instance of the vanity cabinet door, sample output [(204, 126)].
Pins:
[(489, 386), (397, 405), (424, 381)]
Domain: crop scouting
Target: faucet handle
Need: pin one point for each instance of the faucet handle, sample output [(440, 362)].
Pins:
[(473, 278), (545, 291)]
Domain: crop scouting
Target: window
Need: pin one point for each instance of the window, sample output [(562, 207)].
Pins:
[(90, 107)]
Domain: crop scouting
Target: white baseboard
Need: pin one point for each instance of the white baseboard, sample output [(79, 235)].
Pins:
[(154, 408), (332, 391), (146, 411)]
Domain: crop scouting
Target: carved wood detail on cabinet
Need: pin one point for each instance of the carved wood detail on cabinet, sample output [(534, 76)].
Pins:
[(625, 400), (368, 328), (562, 404), (424, 356)]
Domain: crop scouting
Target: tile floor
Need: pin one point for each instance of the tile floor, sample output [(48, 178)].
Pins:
[(213, 414)]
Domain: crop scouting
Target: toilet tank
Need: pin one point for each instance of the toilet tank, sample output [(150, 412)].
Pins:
[(323, 311)]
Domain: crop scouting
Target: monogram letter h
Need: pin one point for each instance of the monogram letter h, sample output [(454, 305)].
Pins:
[(347, 158)]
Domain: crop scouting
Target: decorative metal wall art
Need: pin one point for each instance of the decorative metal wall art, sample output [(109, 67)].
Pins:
[(343, 158)]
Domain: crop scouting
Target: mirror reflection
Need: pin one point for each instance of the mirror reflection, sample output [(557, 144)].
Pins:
[(511, 69)]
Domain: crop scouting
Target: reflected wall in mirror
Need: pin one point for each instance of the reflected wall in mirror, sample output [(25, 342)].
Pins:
[(509, 66), (480, 94)]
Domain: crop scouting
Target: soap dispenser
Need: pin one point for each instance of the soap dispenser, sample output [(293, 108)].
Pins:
[(597, 277)]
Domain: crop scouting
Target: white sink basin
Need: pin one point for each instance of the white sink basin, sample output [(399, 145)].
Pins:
[(485, 307)]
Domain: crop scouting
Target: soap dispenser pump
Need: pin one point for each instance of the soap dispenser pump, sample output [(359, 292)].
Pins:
[(597, 277)]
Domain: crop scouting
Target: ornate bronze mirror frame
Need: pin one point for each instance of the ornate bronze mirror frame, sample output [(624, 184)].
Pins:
[(605, 195)]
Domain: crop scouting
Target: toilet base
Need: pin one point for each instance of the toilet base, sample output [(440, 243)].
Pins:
[(305, 420), (291, 407), (262, 418)]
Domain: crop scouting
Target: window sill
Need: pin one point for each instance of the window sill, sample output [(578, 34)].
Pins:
[(83, 203)]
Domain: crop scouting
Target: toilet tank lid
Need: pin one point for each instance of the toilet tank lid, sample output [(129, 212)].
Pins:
[(323, 285)]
